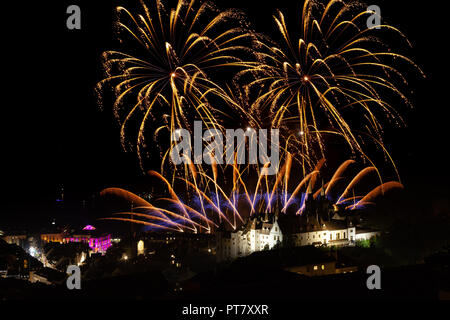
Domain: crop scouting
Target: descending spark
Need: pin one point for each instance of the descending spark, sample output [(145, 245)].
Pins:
[(329, 78), (169, 83), (214, 202), (355, 180), (376, 192)]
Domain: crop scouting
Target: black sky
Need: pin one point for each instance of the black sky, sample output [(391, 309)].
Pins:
[(54, 134)]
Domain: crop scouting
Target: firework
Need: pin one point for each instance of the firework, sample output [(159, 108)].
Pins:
[(328, 79), (165, 83), (242, 193)]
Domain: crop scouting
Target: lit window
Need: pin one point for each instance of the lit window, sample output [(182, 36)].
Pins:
[(315, 268), (323, 267)]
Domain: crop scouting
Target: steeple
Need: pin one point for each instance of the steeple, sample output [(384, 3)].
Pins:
[(266, 217)]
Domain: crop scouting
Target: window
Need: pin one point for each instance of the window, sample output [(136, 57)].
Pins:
[(276, 229), (338, 236), (344, 235), (315, 268), (323, 267), (331, 236)]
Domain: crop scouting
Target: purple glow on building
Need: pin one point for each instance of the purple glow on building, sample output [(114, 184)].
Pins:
[(89, 227), (100, 244)]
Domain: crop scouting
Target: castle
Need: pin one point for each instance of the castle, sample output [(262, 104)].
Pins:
[(258, 233), (321, 224)]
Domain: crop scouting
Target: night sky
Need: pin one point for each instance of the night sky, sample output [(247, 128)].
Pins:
[(53, 133)]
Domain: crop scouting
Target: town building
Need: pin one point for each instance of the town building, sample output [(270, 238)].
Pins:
[(17, 239), (52, 237), (98, 242)]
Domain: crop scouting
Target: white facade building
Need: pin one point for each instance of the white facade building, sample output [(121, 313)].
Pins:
[(326, 236), (256, 235), (264, 233)]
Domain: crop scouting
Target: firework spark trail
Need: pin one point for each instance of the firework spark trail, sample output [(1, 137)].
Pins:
[(379, 190), (163, 213), (144, 223), (355, 180), (172, 193), (312, 82), (338, 174), (327, 80), (216, 205), (326, 76), (171, 81)]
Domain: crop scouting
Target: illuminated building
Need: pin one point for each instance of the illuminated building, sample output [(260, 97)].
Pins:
[(140, 247), (99, 243), (52, 237), (258, 233), (17, 239), (323, 223), (320, 224)]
